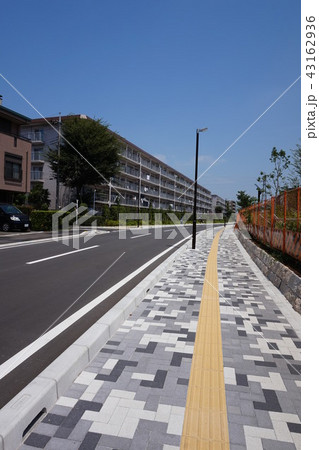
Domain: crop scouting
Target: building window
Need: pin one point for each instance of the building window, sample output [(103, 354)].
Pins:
[(13, 167), (36, 173), (37, 154)]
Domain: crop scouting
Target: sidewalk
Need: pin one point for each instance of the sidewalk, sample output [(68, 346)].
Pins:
[(134, 393)]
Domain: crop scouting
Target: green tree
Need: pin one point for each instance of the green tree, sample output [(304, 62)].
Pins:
[(281, 163), (218, 209), (265, 188), (244, 200), (39, 197), (295, 168), (89, 154)]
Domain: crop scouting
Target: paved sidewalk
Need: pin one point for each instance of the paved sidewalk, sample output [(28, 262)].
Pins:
[(261, 354), (133, 394)]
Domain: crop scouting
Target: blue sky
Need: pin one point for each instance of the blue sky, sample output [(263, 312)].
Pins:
[(157, 70)]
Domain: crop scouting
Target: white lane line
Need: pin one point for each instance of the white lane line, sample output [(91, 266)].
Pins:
[(39, 241), (7, 235), (62, 254), (28, 351), (140, 235)]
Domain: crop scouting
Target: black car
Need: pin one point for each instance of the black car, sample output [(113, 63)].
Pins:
[(11, 218)]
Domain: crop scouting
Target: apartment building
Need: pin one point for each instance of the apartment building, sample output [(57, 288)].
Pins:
[(44, 136), (15, 155), (143, 179), (146, 180), (231, 205), (219, 203)]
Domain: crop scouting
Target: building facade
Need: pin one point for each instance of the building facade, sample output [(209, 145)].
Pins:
[(143, 179), (219, 203), (15, 155), (44, 136), (231, 205)]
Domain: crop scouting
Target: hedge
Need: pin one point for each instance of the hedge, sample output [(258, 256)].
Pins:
[(42, 220)]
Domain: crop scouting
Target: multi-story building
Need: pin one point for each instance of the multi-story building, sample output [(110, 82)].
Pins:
[(44, 136), (142, 180), (219, 203), (15, 155), (231, 205), (146, 180)]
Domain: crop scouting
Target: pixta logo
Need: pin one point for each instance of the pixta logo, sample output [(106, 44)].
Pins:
[(139, 224), (66, 225)]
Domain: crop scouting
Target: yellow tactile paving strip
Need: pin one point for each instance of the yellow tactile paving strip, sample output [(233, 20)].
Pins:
[(205, 422)]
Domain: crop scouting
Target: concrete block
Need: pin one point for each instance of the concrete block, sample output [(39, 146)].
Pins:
[(274, 279), (16, 416), (67, 367), (113, 318), (94, 338)]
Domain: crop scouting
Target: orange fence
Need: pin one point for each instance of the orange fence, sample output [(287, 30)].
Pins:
[(276, 222)]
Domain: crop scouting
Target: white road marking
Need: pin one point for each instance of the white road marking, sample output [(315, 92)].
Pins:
[(39, 241), (19, 234), (28, 351), (140, 235), (62, 254)]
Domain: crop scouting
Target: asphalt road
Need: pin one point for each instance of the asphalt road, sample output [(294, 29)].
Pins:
[(44, 282)]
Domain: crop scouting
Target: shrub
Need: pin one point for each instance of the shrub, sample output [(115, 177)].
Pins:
[(112, 223), (26, 209), (100, 221), (41, 220)]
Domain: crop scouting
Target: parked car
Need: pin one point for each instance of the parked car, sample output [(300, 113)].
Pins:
[(11, 218)]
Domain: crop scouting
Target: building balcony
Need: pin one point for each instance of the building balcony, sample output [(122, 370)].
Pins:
[(37, 157), (37, 176), (35, 136)]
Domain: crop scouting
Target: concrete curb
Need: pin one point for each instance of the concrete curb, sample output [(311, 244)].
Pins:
[(38, 397)]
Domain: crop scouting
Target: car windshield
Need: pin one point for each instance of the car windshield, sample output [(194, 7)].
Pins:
[(10, 209)]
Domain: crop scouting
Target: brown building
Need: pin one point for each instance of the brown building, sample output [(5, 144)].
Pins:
[(15, 155)]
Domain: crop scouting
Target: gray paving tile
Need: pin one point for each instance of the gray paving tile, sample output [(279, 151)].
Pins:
[(262, 395), (239, 287)]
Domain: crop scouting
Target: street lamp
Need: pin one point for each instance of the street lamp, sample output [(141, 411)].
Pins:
[(57, 193), (94, 200), (199, 130)]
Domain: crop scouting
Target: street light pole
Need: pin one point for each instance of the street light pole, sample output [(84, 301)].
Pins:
[(94, 200), (57, 195), (199, 130)]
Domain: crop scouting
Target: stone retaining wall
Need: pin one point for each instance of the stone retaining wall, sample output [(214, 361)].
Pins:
[(283, 278)]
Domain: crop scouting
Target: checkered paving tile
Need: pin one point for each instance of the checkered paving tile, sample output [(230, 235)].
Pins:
[(261, 354), (133, 394)]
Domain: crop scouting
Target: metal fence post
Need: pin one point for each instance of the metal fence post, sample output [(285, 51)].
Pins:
[(298, 208), (285, 217), (265, 212), (272, 213)]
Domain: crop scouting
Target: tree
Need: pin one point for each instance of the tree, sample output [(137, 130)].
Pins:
[(244, 200), (218, 209), (265, 187), (281, 163), (228, 212), (295, 168), (89, 154), (39, 197)]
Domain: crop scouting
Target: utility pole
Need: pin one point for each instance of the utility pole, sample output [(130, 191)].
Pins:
[(57, 195)]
